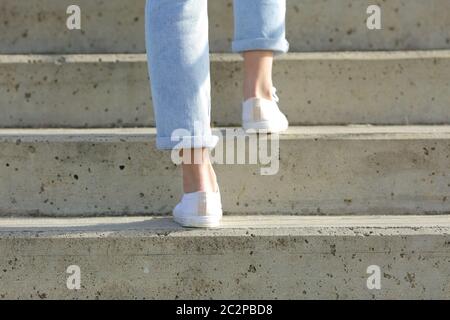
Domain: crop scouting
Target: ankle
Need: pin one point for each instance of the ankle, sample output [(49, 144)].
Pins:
[(263, 92), (199, 178)]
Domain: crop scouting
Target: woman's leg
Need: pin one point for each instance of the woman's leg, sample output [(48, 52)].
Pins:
[(178, 61), (259, 34), (258, 74), (198, 175)]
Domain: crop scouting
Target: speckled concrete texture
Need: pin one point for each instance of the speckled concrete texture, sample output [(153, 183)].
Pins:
[(326, 25), (322, 170), (94, 192), (251, 257), (109, 90)]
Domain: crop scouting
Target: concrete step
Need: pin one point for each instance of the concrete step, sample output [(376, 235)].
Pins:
[(118, 26), (321, 170), (251, 257), (315, 88)]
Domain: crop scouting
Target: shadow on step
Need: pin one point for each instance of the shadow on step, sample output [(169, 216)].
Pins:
[(150, 225)]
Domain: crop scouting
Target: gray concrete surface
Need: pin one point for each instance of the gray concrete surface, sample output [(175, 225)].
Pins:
[(315, 88), (284, 235), (322, 170), (327, 25), (252, 258)]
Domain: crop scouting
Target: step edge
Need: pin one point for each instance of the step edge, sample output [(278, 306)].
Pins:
[(223, 57), (352, 132), (232, 226)]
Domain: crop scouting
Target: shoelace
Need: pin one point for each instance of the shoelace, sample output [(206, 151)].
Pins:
[(274, 94)]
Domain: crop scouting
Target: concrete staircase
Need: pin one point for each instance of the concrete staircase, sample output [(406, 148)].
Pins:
[(363, 179)]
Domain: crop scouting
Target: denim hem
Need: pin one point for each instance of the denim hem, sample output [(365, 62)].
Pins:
[(186, 142), (279, 46)]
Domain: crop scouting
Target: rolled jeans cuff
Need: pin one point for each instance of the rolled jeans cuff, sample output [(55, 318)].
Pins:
[(186, 142), (278, 46)]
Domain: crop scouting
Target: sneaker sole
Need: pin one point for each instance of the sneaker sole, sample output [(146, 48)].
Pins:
[(198, 222), (265, 126)]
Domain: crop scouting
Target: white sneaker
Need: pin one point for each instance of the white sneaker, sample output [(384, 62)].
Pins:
[(199, 209), (263, 115)]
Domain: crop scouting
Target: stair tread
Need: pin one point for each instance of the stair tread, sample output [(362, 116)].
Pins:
[(224, 57), (294, 132), (252, 257), (231, 226)]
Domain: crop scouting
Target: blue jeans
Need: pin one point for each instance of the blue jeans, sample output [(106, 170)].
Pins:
[(178, 61)]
